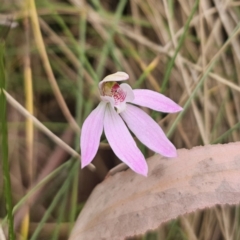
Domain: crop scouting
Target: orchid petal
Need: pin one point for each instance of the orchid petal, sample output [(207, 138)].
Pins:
[(129, 92), (155, 101), (148, 131), (115, 77), (122, 143), (91, 132)]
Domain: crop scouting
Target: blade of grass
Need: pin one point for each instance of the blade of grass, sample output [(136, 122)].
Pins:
[(85, 62), (78, 49), (4, 144), (188, 102), (39, 185), (148, 69), (29, 122), (56, 139), (79, 115), (218, 118), (43, 54), (107, 47), (200, 82), (60, 218), (180, 43), (227, 133), (55, 201), (186, 78)]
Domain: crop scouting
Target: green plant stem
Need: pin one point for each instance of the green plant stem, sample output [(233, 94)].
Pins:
[(4, 146)]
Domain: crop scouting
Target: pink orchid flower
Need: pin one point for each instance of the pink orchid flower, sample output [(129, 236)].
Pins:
[(122, 97)]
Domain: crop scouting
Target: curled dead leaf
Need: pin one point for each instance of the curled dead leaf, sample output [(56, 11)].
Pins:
[(128, 204)]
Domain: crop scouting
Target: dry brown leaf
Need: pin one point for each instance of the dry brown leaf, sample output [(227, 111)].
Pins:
[(128, 204)]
